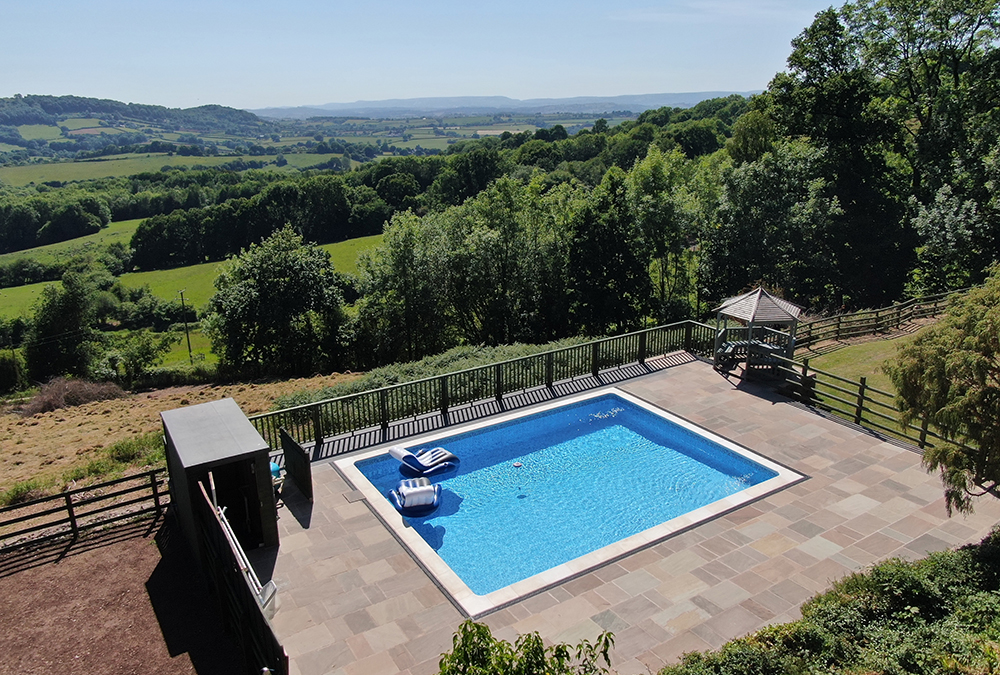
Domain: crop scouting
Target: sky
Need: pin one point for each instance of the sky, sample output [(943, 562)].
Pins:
[(254, 54)]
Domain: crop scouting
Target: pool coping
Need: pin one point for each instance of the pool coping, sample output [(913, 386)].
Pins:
[(474, 605)]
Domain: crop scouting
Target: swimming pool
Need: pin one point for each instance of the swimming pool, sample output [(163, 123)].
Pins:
[(547, 493)]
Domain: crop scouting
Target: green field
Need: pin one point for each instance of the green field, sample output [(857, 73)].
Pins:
[(201, 349), (17, 301), (43, 132), (75, 123), (344, 254), (197, 282), (124, 165), (121, 232), (303, 160)]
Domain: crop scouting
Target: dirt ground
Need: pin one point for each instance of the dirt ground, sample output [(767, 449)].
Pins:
[(48, 444), (124, 601)]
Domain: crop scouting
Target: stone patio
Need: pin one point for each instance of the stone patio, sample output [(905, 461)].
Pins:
[(353, 601)]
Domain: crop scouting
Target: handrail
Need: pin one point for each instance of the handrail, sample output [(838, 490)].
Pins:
[(382, 407)]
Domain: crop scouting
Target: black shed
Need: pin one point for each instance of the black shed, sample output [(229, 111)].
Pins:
[(217, 438)]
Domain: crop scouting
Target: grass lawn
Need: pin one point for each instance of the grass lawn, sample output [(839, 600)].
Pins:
[(863, 360), (121, 231)]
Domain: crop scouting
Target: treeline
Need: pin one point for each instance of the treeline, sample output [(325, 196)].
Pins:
[(33, 109)]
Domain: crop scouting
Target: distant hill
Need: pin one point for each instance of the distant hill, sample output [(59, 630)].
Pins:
[(34, 109), (494, 105)]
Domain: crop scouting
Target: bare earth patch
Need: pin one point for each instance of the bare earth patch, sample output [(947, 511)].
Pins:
[(48, 444), (113, 603)]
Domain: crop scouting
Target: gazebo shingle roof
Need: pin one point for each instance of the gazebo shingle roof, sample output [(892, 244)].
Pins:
[(759, 306)]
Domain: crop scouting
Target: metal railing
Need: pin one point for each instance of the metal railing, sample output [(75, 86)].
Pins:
[(70, 512), (441, 394)]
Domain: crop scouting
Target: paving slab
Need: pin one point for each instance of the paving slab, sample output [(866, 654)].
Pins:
[(353, 600)]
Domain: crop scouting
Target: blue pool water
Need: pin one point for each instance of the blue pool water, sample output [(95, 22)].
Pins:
[(593, 473)]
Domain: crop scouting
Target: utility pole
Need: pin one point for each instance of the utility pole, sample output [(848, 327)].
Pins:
[(186, 333)]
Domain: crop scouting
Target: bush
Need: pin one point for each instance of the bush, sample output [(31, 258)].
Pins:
[(12, 373), (62, 392), (22, 492)]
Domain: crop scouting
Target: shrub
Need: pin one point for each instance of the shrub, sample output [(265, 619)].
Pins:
[(22, 492), (62, 392)]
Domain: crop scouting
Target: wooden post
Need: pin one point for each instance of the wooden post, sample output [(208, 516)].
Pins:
[(642, 348), (687, 336), (498, 383), (444, 398), (72, 516), (860, 407), (317, 420), (549, 369), (804, 388), (595, 359), (922, 443), (153, 484), (838, 328)]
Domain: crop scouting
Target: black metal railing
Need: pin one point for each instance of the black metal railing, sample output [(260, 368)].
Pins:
[(441, 394)]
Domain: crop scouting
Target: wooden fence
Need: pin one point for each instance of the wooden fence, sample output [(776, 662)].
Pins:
[(868, 322), (378, 408), (856, 401), (70, 512)]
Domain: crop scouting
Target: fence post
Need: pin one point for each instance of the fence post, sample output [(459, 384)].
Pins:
[(805, 393), (383, 404), (72, 516), (923, 432), (687, 336), (444, 397), (549, 369), (642, 348), (498, 383), (595, 359), (838, 328), (317, 420), (156, 492), (860, 407)]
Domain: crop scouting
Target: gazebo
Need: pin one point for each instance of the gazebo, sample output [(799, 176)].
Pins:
[(758, 339)]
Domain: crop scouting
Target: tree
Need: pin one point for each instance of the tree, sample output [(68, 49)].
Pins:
[(60, 339), (277, 309), (610, 287), (950, 376)]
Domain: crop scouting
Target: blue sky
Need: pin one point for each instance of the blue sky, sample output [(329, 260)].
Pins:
[(252, 54)]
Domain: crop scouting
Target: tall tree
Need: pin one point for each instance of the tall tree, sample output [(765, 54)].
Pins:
[(610, 286), (950, 376), (60, 339), (277, 309)]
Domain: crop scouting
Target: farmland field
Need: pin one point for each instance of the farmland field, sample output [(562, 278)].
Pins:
[(42, 132), (75, 123), (124, 165), (63, 250), (17, 301), (344, 254), (197, 282)]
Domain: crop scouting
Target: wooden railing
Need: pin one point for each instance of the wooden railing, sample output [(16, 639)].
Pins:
[(378, 408), (871, 321), (856, 401), (70, 512)]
